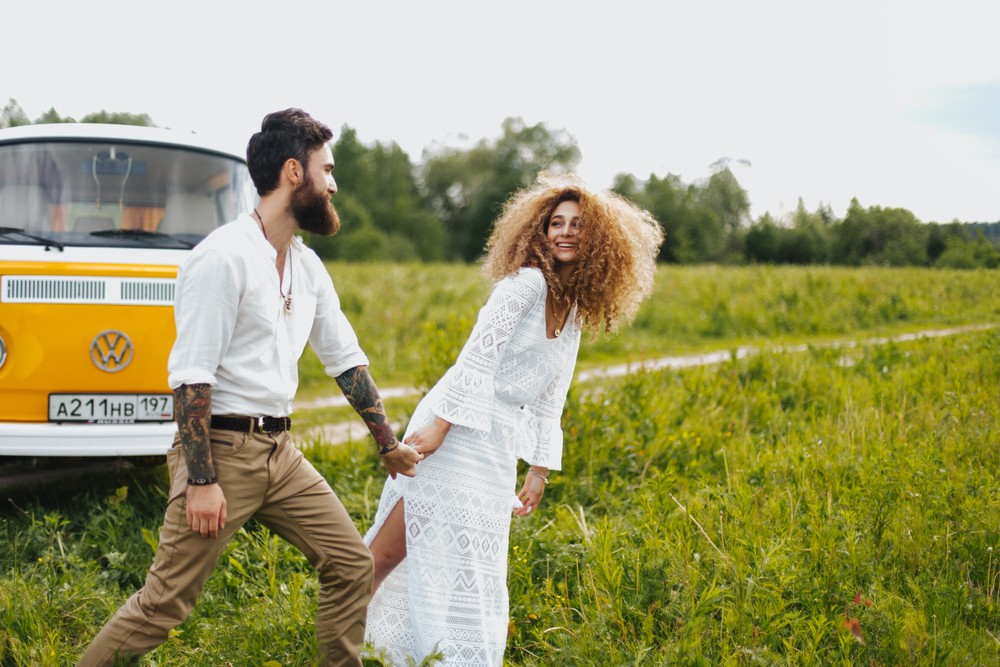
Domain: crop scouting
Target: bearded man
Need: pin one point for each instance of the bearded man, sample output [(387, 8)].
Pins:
[(248, 298)]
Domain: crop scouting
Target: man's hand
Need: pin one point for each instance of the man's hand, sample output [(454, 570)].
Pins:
[(402, 460), (361, 392), (206, 506), (206, 509)]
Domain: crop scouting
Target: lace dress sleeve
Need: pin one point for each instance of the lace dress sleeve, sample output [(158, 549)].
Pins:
[(541, 443), (465, 393)]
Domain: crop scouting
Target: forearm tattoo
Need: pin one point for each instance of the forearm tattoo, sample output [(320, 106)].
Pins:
[(193, 409), (361, 392)]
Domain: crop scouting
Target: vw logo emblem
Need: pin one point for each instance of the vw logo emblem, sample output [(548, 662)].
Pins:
[(111, 351)]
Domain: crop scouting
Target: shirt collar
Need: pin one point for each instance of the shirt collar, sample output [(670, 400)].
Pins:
[(249, 225)]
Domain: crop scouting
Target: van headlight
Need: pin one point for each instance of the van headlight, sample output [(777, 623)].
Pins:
[(3, 351)]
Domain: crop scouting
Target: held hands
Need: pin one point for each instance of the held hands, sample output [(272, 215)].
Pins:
[(426, 440), (532, 491), (206, 509), (402, 460)]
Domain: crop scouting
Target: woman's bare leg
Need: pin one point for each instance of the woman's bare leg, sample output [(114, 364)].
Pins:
[(389, 545)]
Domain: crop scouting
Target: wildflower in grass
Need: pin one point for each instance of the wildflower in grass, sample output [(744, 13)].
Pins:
[(853, 623), (854, 626)]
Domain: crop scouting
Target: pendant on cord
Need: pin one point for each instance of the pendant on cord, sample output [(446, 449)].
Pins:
[(286, 299)]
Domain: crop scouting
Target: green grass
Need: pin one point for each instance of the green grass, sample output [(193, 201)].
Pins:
[(696, 308), (411, 317), (745, 514), (750, 512)]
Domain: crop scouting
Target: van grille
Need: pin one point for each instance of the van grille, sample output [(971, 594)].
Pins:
[(160, 292), (108, 291)]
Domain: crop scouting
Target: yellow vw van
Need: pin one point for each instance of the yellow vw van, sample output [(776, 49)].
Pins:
[(94, 220)]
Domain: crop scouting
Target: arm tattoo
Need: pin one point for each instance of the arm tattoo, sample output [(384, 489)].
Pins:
[(361, 392), (193, 408)]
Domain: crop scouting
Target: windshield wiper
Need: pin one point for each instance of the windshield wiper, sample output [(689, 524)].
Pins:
[(138, 234), (40, 240)]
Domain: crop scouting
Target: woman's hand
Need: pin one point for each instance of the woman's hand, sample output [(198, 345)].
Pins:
[(426, 440), (532, 491)]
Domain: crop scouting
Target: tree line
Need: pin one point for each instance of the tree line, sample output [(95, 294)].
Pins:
[(441, 208)]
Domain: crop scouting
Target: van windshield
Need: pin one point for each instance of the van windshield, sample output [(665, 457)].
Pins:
[(117, 194)]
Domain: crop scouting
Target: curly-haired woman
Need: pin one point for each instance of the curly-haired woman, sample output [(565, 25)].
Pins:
[(564, 259)]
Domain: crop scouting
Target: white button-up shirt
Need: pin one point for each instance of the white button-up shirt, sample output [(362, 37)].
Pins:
[(232, 329)]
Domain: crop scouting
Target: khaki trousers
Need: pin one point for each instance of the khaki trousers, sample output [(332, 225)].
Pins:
[(266, 478)]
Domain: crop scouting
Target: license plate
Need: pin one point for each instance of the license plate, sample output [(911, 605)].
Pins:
[(111, 408)]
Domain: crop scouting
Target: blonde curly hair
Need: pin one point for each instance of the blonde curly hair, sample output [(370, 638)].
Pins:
[(617, 259)]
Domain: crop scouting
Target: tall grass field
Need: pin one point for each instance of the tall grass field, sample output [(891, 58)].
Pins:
[(836, 505)]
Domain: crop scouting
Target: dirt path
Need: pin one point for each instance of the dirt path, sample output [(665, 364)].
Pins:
[(354, 429)]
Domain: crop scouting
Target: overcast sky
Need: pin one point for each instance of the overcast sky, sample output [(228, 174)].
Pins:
[(895, 102)]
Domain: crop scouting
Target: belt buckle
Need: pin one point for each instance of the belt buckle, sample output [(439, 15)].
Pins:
[(260, 425)]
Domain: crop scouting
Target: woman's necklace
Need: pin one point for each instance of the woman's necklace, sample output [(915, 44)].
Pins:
[(285, 298), (559, 320)]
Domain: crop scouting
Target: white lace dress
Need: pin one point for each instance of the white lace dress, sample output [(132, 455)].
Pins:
[(504, 397)]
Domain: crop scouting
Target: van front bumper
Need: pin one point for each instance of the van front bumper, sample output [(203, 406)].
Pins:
[(26, 439)]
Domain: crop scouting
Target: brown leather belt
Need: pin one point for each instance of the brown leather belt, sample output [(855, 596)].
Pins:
[(252, 424)]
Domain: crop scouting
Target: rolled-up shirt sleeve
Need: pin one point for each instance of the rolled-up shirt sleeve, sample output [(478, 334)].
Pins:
[(332, 337), (205, 313)]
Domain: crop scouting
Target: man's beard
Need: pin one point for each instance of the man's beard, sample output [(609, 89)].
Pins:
[(313, 210)]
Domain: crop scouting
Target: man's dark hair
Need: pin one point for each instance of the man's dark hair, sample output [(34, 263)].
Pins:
[(291, 133)]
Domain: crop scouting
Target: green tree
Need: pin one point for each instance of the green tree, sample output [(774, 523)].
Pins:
[(627, 186), (382, 180), (119, 118), (937, 240), (762, 241), (876, 235), (693, 228), (724, 196), (808, 240), (991, 230), (52, 116), (969, 253), (466, 187), (12, 115), (353, 217)]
